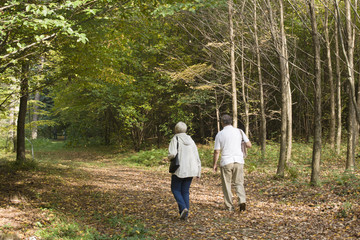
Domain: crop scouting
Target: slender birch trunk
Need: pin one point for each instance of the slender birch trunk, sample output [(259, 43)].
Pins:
[(12, 117), (338, 86), (261, 90), (286, 119), (35, 117), (316, 157), (331, 82), (243, 89), (232, 64), (284, 62), (350, 159), (217, 113)]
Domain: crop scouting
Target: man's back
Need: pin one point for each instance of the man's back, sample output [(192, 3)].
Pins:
[(228, 141)]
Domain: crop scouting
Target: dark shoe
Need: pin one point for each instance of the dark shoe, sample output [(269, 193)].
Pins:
[(184, 214), (242, 207)]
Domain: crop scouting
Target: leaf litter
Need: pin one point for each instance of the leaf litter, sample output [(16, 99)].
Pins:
[(103, 196)]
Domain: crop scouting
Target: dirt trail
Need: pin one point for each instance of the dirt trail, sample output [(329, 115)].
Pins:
[(100, 194)]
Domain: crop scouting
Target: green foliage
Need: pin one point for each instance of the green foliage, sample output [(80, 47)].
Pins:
[(60, 227), (191, 6), (14, 166), (131, 228), (150, 158), (206, 155), (63, 229), (293, 173), (37, 24), (345, 210), (45, 144)]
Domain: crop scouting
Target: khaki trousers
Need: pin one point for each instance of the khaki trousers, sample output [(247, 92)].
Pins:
[(233, 173)]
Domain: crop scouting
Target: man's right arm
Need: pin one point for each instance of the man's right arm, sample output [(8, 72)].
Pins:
[(215, 159)]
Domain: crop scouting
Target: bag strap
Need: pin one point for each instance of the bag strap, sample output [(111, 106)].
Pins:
[(242, 134), (177, 145)]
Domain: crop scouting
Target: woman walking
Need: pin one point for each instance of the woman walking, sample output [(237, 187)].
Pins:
[(190, 166)]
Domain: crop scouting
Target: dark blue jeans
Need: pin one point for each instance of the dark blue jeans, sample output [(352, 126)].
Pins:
[(180, 188)]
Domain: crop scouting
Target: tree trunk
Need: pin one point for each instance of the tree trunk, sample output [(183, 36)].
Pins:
[(286, 102), (357, 124), (35, 117), (316, 157), (338, 87), (285, 72), (12, 119), (275, 34), (24, 93), (243, 89), (217, 113), (232, 64), (350, 159), (331, 82), (202, 126), (261, 90), (350, 155)]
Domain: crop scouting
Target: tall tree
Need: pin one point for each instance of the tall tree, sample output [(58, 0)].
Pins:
[(261, 89), (24, 93), (280, 41), (330, 78), (27, 29), (316, 157), (338, 83), (232, 64), (350, 43), (35, 116)]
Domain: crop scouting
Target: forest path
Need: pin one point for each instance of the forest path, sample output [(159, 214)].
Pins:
[(274, 211), (95, 191)]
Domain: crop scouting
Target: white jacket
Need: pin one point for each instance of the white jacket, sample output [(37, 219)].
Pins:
[(190, 164)]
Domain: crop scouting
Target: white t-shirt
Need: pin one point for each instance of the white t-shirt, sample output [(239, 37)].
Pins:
[(228, 141)]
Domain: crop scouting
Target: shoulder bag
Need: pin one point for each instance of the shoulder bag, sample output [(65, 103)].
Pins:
[(174, 163), (243, 144)]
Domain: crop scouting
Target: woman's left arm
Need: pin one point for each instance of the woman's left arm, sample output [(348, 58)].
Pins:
[(172, 148)]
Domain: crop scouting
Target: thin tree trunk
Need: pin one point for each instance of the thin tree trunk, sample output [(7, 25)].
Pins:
[(338, 87), (284, 62), (278, 47), (35, 117), (357, 124), (12, 119), (24, 93), (350, 159), (261, 90), (243, 89), (217, 113), (316, 157), (331, 82), (202, 125), (232, 64)]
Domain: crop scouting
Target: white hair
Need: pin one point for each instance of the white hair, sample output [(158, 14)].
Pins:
[(180, 127)]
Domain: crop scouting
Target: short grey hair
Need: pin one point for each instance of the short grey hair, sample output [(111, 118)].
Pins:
[(226, 119), (180, 127)]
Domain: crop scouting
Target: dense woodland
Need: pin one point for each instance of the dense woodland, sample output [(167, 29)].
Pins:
[(123, 73)]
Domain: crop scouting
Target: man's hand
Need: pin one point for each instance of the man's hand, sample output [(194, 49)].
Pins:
[(215, 159)]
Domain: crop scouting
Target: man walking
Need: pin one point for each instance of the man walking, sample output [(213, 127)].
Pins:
[(228, 142)]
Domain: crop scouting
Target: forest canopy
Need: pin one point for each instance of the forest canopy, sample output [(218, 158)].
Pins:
[(123, 73)]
